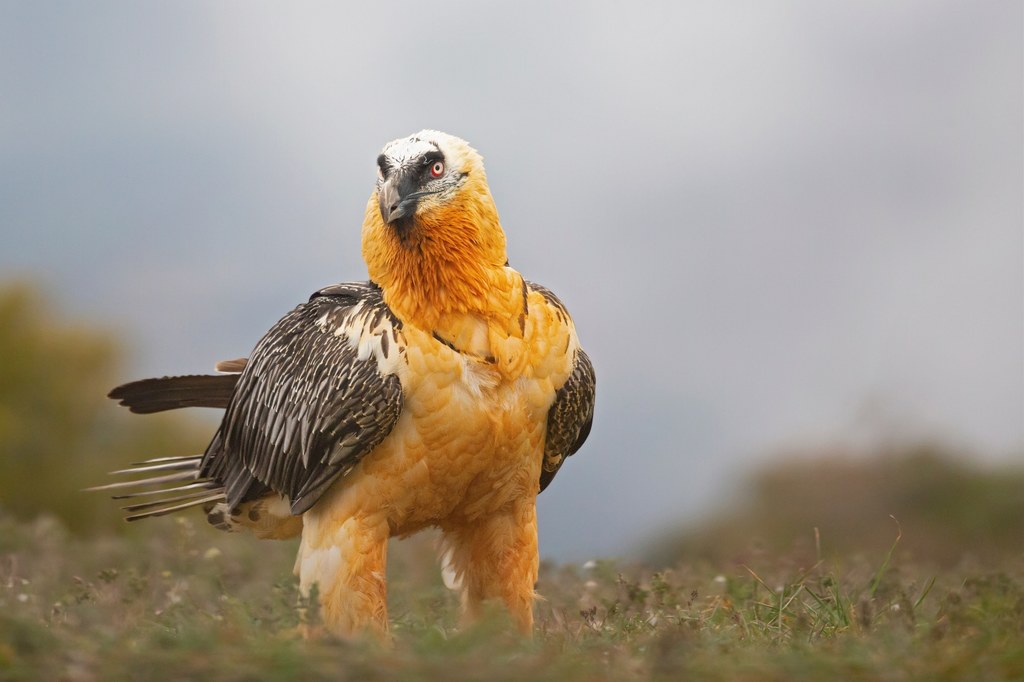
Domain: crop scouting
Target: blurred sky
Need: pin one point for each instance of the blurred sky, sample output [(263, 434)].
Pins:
[(775, 223)]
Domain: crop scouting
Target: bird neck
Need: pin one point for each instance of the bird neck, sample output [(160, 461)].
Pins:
[(447, 272)]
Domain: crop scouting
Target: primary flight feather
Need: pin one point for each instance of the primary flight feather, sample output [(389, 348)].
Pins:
[(444, 392)]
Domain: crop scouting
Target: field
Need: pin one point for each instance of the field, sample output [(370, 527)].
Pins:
[(177, 600)]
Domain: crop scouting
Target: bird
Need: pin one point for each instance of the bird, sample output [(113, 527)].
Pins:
[(446, 391)]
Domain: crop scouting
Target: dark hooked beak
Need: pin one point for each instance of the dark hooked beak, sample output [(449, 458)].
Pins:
[(397, 197)]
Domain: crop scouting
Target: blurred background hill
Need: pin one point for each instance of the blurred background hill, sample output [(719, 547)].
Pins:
[(58, 431), (833, 503)]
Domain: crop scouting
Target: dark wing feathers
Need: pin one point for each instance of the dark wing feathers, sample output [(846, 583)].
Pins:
[(570, 418), (572, 414), (306, 407)]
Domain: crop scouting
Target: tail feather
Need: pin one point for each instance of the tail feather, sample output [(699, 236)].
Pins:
[(205, 484), (155, 480), (170, 393), (232, 366), (185, 470), (209, 499), (139, 506), (178, 458), (145, 467)]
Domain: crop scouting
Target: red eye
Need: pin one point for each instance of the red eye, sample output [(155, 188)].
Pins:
[(437, 170)]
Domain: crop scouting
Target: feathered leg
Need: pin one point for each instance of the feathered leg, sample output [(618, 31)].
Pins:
[(496, 558), (346, 558)]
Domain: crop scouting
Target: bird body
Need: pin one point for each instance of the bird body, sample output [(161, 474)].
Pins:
[(477, 482), (445, 392)]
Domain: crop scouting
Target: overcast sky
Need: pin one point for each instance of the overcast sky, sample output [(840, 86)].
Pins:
[(776, 223)]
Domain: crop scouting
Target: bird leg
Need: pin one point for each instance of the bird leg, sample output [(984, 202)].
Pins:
[(496, 558), (346, 560)]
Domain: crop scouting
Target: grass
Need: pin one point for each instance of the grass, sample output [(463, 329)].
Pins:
[(177, 600)]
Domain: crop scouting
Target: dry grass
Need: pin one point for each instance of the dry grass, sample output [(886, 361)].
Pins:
[(181, 601)]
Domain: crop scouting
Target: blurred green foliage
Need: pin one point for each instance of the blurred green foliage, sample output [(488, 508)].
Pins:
[(946, 510), (58, 431)]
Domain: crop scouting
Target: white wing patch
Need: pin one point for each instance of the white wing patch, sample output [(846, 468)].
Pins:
[(381, 341)]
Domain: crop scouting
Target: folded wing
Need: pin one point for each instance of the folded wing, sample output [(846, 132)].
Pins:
[(319, 391), (572, 413)]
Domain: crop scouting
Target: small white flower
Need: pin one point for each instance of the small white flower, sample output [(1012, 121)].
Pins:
[(590, 565)]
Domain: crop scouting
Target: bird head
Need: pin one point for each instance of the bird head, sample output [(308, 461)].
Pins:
[(431, 228), (428, 178)]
